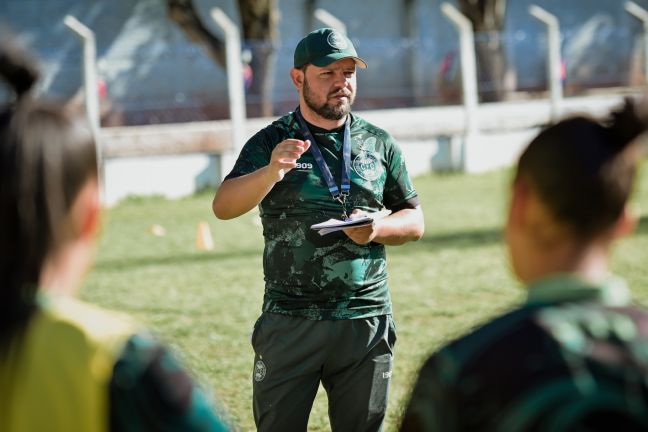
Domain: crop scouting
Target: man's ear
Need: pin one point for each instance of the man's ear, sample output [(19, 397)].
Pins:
[(297, 77), (518, 206), (86, 212), (627, 222)]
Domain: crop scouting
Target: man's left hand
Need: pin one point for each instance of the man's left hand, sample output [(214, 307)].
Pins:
[(398, 228), (364, 234)]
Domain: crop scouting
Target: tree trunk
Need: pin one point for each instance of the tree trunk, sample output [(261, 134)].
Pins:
[(259, 28), (259, 20), (183, 13), (487, 17)]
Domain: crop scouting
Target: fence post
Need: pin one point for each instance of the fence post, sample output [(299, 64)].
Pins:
[(90, 89), (235, 87), (459, 150), (330, 20), (642, 15), (468, 64), (554, 64)]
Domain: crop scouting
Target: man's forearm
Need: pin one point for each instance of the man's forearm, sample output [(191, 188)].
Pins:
[(401, 227), (239, 195)]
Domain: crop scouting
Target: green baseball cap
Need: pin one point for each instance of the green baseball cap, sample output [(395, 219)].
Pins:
[(325, 46)]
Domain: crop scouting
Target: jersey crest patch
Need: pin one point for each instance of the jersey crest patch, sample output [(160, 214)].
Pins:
[(367, 166)]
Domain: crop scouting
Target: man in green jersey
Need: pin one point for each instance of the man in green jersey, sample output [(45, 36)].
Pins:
[(327, 310)]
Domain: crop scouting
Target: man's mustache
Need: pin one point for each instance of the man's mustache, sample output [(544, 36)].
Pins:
[(340, 93)]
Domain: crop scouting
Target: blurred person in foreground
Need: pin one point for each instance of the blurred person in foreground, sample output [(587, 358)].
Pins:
[(327, 309), (66, 365), (574, 356)]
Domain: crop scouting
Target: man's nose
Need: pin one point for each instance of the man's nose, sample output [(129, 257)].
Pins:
[(340, 79)]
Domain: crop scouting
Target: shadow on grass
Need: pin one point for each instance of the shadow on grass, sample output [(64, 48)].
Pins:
[(486, 237), (642, 225), (189, 258), (459, 240), (463, 239)]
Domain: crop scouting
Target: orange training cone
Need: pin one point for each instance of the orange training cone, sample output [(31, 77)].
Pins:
[(204, 239)]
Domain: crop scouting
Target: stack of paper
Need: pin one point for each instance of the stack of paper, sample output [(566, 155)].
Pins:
[(333, 225)]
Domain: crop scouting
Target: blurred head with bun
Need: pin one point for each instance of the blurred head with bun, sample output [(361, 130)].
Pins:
[(570, 194)]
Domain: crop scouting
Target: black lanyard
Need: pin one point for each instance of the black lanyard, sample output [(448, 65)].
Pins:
[(338, 194)]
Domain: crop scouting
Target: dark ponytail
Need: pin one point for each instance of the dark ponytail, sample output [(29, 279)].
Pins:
[(46, 156), (584, 169), (626, 124), (17, 69)]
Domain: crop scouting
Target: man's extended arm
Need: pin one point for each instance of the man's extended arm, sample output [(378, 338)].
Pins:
[(237, 196)]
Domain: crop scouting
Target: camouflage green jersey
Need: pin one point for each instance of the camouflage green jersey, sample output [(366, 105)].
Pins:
[(326, 277), (574, 357)]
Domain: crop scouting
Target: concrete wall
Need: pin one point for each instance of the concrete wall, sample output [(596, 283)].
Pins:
[(145, 160), (168, 176)]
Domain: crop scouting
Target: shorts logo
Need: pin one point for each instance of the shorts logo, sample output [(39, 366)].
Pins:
[(387, 375), (336, 40), (367, 166), (259, 371), (304, 165)]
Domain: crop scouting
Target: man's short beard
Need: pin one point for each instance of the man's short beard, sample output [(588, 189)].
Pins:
[(325, 110)]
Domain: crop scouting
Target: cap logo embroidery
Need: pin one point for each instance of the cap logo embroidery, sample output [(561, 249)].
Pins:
[(336, 40)]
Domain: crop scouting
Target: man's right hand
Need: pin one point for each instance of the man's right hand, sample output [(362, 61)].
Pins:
[(239, 195), (284, 157)]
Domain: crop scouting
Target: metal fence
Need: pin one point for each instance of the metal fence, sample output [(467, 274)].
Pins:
[(176, 81)]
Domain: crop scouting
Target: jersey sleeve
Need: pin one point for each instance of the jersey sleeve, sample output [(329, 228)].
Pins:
[(399, 190), (255, 154), (150, 390)]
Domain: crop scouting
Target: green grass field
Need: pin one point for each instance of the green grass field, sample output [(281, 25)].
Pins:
[(204, 304)]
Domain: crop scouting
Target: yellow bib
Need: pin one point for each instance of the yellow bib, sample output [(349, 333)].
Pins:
[(56, 377)]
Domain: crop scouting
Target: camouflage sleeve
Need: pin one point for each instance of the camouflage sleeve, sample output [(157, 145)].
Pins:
[(149, 390), (399, 189), (432, 404), (254, 155)]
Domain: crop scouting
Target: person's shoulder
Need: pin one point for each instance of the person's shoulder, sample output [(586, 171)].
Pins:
[(609, 320), (625, 326), (639, 316), (96, 325), (278, 129), (479, 341), (284, 122), (149, 374), (362, 124)]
